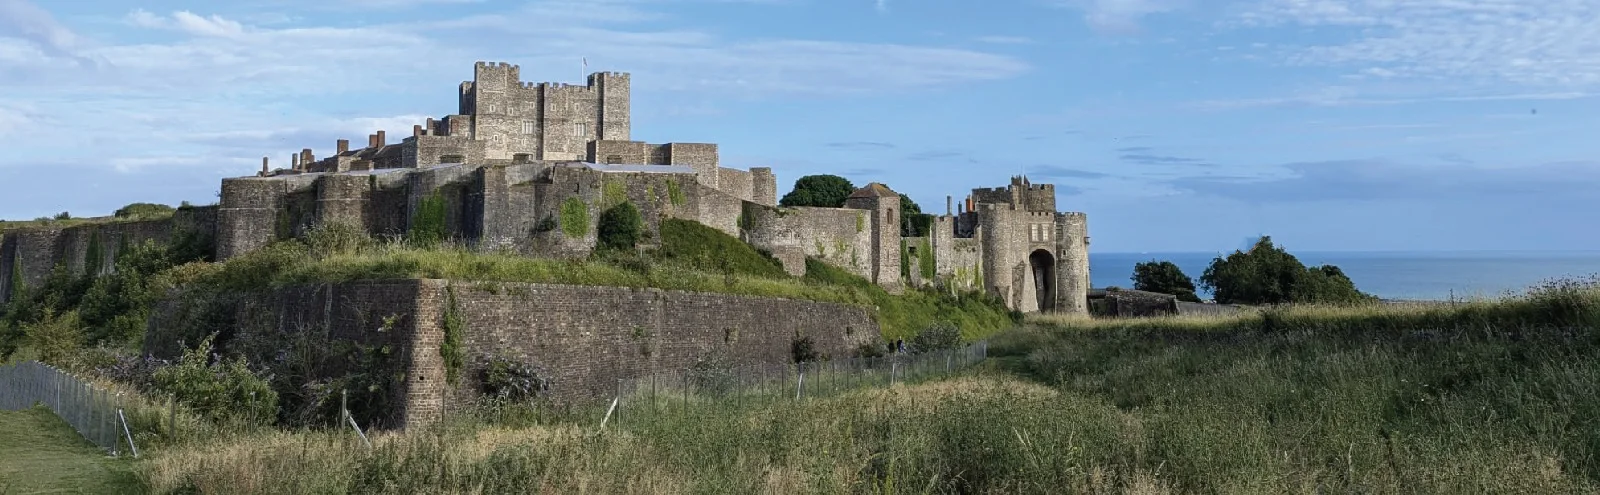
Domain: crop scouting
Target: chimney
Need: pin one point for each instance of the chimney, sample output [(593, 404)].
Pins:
[(343, 145), (416, 130), (381, 140), (947, 200), (305, 157), (430, 125), (294, 162), (372, 140), (263, 165)]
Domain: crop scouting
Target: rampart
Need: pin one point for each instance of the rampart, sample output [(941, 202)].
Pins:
[(583, 339), (36, 252), (838, 236)]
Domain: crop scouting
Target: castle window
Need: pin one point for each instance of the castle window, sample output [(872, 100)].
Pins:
[(580, 129), (1033, 232), (614, 159), (527, 127)]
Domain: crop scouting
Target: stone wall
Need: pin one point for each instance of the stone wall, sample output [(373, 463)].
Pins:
[(584, 339), (839, 236), (587, 338), (40, 250)]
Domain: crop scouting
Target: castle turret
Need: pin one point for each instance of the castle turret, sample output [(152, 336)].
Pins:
[(884, 205)]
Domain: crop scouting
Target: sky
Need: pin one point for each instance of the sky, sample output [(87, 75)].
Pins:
[(1176, 125)]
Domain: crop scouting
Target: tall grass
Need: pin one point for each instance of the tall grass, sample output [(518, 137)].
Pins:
[(1310, 400)]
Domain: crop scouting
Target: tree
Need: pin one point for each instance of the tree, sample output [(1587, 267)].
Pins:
[(1266, 274), (620, 227), (1164, 277), (827, 191), (913, 223)]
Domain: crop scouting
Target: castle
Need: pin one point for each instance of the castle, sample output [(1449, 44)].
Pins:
[(530, 167)]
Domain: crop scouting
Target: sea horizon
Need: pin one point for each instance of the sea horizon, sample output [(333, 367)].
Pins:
[(1391, 274)]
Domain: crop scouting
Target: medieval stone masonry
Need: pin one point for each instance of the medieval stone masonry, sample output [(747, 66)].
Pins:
[(530, 167)]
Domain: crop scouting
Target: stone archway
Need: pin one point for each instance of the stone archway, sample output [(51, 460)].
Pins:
[(1043, 266)]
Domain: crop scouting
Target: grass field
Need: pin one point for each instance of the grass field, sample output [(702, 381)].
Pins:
[(39, 453), (1484, 398)]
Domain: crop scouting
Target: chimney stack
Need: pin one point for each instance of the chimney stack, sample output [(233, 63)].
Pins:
[(416, 130), (430, 125), (264, 166), (305, 158), (343, 145), (294, 161), (381, 140), (947, 200), (372, 140)]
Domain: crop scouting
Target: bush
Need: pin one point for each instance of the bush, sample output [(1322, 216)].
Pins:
[(803, 349), (509, 380), (57, 338), (144, 211), (222, 391), (620, 227), (940, 336)]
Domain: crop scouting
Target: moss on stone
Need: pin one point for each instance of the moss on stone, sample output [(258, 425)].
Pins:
[(574, 218)]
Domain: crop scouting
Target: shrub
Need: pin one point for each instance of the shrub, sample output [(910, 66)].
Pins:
[(57, 338), (144, 211), (940, 336), (620, 226), (222, 391), (428, 223), (574, 218), (803, 349), (510, 380)]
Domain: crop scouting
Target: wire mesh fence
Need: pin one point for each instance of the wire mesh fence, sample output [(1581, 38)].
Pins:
[(94, 412), (796, 381)]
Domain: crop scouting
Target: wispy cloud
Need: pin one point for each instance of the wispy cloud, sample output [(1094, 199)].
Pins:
[(1383, 179), (861, 145), (1005, 40), (1118, 16), (1545, 44), (23, 20), (1060, 172)]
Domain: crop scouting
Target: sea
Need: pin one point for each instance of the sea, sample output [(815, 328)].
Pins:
[(1419, 276)]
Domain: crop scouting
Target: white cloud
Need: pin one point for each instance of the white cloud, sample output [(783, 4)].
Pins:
[(224, 89), (1119, 16), (189, 22), (23, 20), (1545, 43)]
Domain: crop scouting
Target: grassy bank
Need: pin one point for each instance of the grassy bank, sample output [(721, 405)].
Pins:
[(692, 258), (1486, 398), (40, 453)]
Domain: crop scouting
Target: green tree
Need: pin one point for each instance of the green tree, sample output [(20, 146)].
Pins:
[(827, 191), (1267, 274), (620, 227), (1164, 277), (913, 222)]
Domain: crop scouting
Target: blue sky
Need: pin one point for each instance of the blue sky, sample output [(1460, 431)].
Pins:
[(1177, 125)]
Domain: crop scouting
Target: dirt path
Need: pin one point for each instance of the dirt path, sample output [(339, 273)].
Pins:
[(39, 453)]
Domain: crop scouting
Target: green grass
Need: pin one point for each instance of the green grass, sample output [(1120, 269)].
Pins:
[(696, 245), (40, 453), (684, 262), (1310, 400)]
